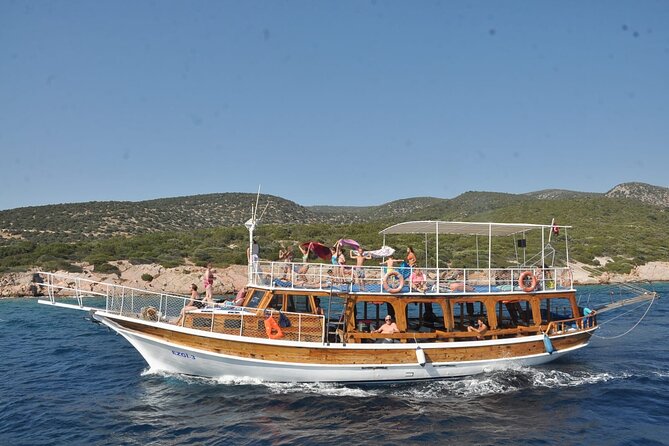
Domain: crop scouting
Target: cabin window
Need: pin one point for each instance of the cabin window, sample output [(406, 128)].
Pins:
[(255, 299), (465, 313), (425, 316), (512, 313), (298, 303), (371, 314), (277, 302), (555, 309)]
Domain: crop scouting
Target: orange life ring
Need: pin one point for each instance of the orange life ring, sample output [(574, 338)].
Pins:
[(521, 281), (400, 282), (272, 328)]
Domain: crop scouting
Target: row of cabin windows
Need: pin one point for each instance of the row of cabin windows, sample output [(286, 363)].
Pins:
[(429, 315)]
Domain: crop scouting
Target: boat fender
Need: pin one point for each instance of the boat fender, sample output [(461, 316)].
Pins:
[(522, 283), (398, 277), (548, 345), (272, 328), (420, 356)]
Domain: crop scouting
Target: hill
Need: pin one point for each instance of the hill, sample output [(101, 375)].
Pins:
[(645, 193), (95, 220), (630, 230)]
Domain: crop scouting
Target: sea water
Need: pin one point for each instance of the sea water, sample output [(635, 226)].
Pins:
[(65, 380)]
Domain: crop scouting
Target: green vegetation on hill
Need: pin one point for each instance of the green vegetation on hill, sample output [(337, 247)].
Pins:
[(209, 228)]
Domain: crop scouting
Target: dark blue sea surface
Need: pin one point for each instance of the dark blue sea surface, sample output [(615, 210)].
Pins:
[(68, 381)]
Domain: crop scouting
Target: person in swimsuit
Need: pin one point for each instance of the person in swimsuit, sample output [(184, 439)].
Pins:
[(411, 257), (390, 264), (479, 327), (335, 260), (208, 283), (301, 270), (195, 303), (418, 280), (286, 256), (359, 258)]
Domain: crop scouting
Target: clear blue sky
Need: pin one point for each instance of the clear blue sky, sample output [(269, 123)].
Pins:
[(337, 102)]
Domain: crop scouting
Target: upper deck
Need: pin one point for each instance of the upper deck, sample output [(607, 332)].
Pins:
[(538, 273), (407, 280)]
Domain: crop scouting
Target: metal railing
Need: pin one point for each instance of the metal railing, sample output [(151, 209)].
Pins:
[(570, 325), (168, 308), (377, 279)]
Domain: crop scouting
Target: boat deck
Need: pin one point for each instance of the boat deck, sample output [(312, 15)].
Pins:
[(376, 280)]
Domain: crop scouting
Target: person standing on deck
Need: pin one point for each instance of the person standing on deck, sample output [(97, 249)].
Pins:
[(411, 257), (208, 283), (253, 255), (359, 272)]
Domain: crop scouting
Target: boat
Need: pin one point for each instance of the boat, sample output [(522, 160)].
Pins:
[(317, 322)]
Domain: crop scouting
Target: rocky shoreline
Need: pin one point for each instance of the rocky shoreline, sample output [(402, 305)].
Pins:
[(230, 279)]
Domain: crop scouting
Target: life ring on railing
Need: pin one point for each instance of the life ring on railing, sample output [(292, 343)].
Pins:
[(272, 328), (533, 281), (398, 280)]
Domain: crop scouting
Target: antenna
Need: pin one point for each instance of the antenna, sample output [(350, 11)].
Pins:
[(257, 199), (251, 225), (263, 211)]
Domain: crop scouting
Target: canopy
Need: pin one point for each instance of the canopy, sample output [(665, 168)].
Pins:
[(319, 249), (463, 228)]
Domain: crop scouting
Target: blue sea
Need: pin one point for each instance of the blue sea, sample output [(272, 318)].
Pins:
[(67, 381)]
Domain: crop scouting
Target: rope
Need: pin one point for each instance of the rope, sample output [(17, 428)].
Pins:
[(633, 327)]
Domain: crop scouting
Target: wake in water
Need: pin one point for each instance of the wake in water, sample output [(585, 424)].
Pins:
[(498, 382), (507, 381)]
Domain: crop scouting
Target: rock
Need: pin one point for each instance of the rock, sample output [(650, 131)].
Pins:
[(230, 279)]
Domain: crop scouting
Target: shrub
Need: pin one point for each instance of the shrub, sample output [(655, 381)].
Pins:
[(60, 265), (107, 268), (146, 277)]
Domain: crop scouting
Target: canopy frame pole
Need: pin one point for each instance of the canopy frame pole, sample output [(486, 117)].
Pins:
[(489, 257), (566, 245), (477, 251), (426, 264), (436, 233), (543, 248)]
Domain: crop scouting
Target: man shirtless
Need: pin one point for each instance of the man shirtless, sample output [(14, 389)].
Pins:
[(359, 273), (389, 327), (479, 328)]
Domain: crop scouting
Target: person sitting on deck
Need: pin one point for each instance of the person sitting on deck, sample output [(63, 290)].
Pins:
[(479, 327), (389, 327), (418, 280), (239, 299), (195, 303)]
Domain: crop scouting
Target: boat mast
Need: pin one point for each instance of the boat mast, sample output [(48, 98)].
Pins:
[(251, 225)]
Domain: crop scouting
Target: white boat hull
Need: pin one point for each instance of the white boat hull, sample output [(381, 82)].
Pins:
[(173, 358)]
